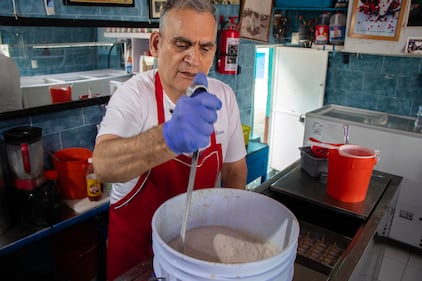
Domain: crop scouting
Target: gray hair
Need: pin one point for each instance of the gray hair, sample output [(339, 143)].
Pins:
[(201, 6)]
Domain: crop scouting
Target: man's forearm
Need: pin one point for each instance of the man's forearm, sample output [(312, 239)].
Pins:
[(234, 174), (122, 159)]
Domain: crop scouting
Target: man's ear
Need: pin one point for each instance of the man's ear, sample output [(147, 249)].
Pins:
[(154, 41)]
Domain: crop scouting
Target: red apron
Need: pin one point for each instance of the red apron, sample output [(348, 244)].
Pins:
[(129, 230)]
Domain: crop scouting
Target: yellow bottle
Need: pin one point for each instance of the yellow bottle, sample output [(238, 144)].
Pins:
[(93, 184)]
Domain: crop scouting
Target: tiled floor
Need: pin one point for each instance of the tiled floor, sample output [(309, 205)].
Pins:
[(386, 260)]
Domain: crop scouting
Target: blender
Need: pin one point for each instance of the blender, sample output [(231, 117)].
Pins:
[(25, 155), (36, 199)]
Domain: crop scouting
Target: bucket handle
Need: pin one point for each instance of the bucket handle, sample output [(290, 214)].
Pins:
[(330, 146), (156, 278), (324, 145)]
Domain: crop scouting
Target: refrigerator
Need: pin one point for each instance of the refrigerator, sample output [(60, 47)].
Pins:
[(298, 84), (400, 153)]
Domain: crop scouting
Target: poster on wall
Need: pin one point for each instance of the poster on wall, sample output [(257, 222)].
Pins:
[(379, 19), (124, 3), (255, 19)]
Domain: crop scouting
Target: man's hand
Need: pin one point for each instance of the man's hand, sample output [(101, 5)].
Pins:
[(192, 122)]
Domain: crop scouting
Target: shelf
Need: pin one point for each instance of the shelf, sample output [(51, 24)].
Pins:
[(331, 48), (310, 9), (139, 35), (72, 45)]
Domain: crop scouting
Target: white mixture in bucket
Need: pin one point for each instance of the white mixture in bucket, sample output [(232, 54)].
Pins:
[(223, 244)]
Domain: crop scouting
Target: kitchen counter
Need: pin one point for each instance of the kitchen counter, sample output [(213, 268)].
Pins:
[(72, 212)]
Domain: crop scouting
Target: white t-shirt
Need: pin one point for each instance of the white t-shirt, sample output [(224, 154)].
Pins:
[(132, 109)]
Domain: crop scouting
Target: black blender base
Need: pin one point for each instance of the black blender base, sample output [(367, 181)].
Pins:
[(40, 206)]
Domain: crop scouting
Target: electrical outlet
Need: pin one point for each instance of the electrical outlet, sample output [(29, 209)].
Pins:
[(34, 63), (406, 215)]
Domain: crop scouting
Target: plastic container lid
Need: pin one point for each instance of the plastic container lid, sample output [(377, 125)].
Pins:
[(23, 134)]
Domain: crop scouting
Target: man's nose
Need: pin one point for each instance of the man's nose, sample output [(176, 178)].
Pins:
[(192, 56)]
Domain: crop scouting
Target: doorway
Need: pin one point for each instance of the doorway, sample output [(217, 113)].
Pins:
[(288, 83), (262, 92)]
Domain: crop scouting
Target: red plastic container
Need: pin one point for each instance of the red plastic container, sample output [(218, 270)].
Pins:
[(61, 94), (349, 172), (71, 164)]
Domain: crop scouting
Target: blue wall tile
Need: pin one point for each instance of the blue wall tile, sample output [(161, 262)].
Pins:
[(383, 83), (59, 121), (379, 84)]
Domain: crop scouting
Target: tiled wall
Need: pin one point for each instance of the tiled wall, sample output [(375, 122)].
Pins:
[(21, 40), (382, 83), (390, 84)]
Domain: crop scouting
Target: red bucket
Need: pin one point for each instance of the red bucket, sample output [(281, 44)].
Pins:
[(71, 164), (349, 172)]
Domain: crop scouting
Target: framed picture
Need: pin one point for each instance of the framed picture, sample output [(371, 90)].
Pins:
[(123, 3), (155, 7), (379, 19), (414, 46), (255, 19), (415, 13)]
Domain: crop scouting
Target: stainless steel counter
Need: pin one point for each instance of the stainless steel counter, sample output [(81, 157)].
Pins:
[(365, 230)]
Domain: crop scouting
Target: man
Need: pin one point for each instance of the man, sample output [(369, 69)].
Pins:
[(151, 127)]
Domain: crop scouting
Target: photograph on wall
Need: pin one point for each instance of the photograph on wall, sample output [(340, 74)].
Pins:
[(155, 7), (255, 19), (415, 13), (124, 3), (377, 19), (414, 46)]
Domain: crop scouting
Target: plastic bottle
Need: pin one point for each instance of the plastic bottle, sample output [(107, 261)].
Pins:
[(93, 184), (321, 29), (337, 29), (418, 120)]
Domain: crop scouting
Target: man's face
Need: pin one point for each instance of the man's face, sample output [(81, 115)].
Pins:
[(186, 47)]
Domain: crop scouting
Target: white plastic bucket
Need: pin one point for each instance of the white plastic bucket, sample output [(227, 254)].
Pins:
[(243, 210)]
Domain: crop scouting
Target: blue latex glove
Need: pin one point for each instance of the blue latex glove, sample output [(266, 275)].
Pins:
[(192, 121)]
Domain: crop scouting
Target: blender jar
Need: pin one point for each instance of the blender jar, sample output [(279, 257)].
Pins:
[(25, 155)]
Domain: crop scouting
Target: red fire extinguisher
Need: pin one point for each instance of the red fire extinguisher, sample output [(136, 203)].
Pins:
[(228, 49)]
